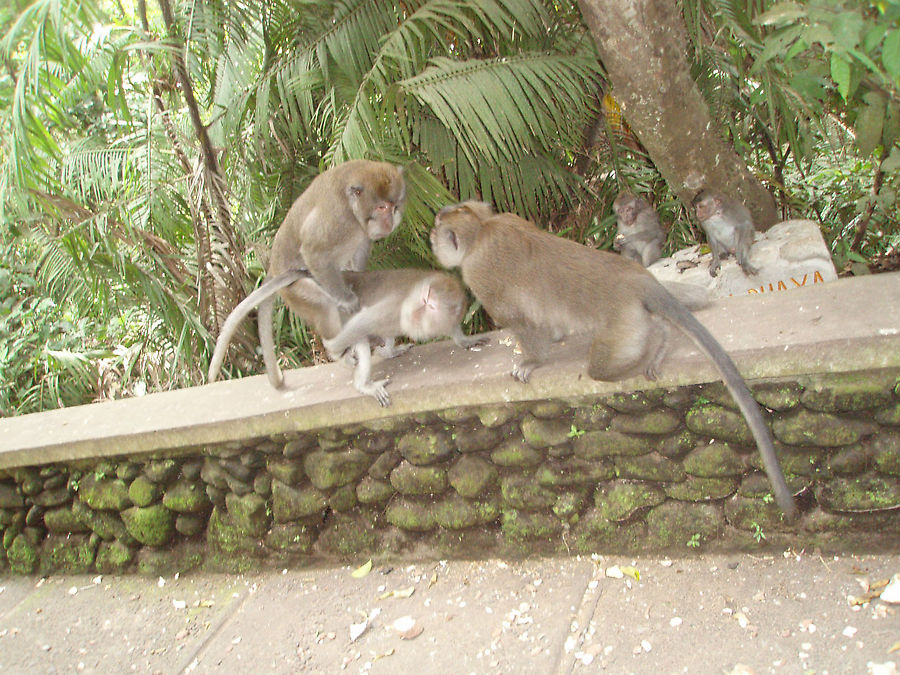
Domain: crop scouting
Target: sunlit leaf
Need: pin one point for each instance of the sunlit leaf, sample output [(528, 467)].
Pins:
[(362, 570), (840, 73)]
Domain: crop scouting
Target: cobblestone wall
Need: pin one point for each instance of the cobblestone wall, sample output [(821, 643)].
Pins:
[(672, 470)]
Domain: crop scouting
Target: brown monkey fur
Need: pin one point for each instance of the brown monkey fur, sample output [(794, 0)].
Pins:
[(419, 304), (729, 229), (328, 229), (543, 287), (640, 237)]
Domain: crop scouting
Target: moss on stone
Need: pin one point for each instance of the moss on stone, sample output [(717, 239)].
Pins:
[(678, 526), (808, 428), (594, 445), (477, 438), (292, 503), (68, 554), (190, 524), (701, 489), (162, 470), (677, 445), (592, 418), (886, 451), (620, 500), (327, 470), (249, 514), (850, 461), (719, 422), (656, 422), (809, 462), (103, 493), (543, 433), (496, 415), (351, 536), (290, 537), (716, 460), (521, 492), (425, 446), (472, 476), (634, 402), (863, 493), (889, 415), (381, 468), (411, 480), (151, 525), (651, 467), (516, 452), (572, 471), (144, 492), (10, 497), (849, 392), (595, 534), (780, 396), (410, 514), (22, 555), (525, 525), (570, 503), (223, 536), (113, 557), (754, 515), (287, 471), (372, 491), (63, 520), (456, 513), (186, 497)]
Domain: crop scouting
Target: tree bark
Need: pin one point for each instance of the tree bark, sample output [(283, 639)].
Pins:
[(643, 47)]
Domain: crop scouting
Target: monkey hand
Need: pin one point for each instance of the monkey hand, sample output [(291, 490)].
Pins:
[(390, 350)]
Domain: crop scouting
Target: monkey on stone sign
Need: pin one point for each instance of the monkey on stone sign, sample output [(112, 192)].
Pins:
[(728, 227), (418, 304), (640, 237), (543, 287), (328, 229)]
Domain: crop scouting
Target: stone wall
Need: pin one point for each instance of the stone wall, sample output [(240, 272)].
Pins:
[(469, 463), (660, 470)]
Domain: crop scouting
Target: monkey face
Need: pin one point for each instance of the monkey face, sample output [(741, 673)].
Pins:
[(383, 219)]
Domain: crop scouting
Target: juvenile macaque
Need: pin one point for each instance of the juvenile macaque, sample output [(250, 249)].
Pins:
[(419, 304), (728, 227), (543, 287), (328, 229), (640, 237)]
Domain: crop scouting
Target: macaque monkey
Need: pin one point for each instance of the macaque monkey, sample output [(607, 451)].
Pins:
[(728, 227), (541, 287), (419, 304), (328, 229), (640, 237)]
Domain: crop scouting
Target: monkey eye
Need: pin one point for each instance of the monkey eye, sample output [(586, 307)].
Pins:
[(356, 190)]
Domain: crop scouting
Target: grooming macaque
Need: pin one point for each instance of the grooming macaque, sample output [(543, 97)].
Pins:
[(419, 304), (543, 287), (328, 229), (728, 227), (640, 237)]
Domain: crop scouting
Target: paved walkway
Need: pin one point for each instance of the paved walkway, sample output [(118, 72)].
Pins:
[(735, 613)]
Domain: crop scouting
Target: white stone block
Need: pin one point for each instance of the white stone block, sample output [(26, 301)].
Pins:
[(789, 255)]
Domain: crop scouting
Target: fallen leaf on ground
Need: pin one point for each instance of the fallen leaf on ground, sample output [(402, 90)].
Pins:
[(362, 570)]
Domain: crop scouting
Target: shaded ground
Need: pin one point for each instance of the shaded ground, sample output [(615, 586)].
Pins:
[(711, 614)]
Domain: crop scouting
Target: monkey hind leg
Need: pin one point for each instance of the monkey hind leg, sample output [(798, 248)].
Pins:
[(533, 343), (634, 346)]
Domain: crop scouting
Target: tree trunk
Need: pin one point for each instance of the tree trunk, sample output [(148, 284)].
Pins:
[(643, 46)]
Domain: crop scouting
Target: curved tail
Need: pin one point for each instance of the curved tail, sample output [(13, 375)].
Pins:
[(664, 305), (269, 288)]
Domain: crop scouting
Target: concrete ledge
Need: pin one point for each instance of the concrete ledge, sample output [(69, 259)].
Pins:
[(848, 325)]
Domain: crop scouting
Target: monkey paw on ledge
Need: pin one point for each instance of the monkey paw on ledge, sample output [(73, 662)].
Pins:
[(791, 254)]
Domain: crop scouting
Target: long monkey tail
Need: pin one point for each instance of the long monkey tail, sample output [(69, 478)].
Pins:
[(269, 288), (660, 302)]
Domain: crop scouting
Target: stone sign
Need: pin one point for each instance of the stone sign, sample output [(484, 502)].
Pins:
[(789, 255)]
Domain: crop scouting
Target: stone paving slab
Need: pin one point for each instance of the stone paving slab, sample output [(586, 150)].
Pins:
[(738, 614)]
